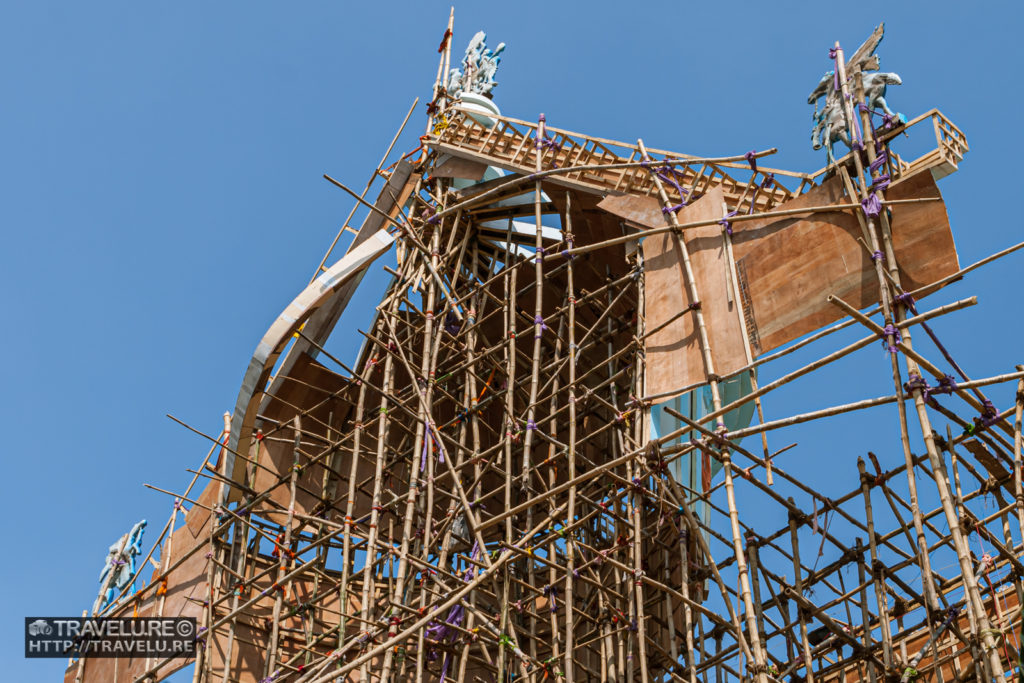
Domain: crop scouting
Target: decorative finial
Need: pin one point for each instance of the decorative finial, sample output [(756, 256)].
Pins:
[(830, 122), (119, 568), (478, 68)]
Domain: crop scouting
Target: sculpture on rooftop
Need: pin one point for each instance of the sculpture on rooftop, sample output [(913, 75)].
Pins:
[(479, 67), (829, 122), (119, 568)]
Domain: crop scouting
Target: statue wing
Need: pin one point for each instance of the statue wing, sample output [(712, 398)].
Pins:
[(821, 89), (859, 60)]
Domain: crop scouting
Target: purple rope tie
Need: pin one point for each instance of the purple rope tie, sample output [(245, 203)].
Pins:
[(833, 54), (555, 148), (888, 120), (989, 416), (879, 161), (428, 439), (877, 256), (531, 425), (907, 300), (872, 206), (663, 172), (894, 332), (552, 594), (915, 381), (947, 385), (543, 141), (426, 450), (752, 159), (430, 214), (726, 223), (539, 320), (568, 245), (880, 183), (451, 323)]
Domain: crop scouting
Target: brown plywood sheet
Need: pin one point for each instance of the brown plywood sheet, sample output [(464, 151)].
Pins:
[(638, 209), (186, 591), (457, 167), (199, 515), (788, 266), (322, 398), (673, 353), (922, 238)]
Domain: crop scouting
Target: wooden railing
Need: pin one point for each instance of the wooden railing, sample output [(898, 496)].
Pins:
[(511, 144), (950, 147)]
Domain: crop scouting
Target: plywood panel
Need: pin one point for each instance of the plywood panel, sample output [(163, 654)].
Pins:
[(922, 238), (786, 269), (673, 354), (640, 210), (788, 266)]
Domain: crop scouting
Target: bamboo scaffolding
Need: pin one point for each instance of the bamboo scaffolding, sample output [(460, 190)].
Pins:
[(486, 472)]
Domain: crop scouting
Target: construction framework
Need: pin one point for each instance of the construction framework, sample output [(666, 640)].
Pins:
[(481, 496)]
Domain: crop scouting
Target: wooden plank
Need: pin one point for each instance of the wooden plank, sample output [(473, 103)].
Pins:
[(673, 354), (640, 210), (787, 266), (455, 167)]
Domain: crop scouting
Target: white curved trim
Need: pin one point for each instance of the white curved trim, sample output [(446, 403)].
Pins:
[(277, 337)]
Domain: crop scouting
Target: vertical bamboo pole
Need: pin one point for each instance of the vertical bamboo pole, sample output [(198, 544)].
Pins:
[(799, 586), (684, 558), (1018, 440), (370, 559), (441, 75), (884, 295), (734, 282), (570, 545), (346, 543), (538, 327), (509, 309), (284, 555), (422, 440), (759, 667), (865, 614), (937, 464), (877, 569)]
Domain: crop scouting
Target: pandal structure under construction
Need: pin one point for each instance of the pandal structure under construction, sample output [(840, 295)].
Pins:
[(534, 470)]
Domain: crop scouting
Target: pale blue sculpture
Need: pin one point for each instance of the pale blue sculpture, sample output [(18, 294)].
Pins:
[(119, 568), (479, 67), (830, 121), (695, 404)]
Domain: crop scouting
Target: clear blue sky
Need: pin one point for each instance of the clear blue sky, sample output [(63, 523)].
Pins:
[(162, 201)]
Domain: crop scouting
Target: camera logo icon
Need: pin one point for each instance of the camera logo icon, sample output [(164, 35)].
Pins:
[(40, 627)]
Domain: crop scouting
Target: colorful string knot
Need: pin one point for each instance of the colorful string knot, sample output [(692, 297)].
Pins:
[(872, 206), (751, 158), (891, 330)]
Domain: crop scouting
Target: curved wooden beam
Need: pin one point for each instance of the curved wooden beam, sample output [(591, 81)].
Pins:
[(264, 358)]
